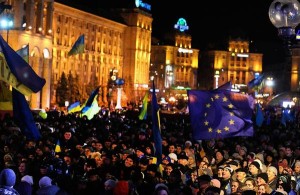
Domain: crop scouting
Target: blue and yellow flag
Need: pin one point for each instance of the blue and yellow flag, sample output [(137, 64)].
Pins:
[(78, 46), (256, 82), (156, 126), (57, 147), (89, 102), (143, 114), (75, 107), (92, 110), (24, 53), (17, 72)]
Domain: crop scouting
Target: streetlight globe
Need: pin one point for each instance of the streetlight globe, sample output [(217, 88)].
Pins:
[(285, 13)]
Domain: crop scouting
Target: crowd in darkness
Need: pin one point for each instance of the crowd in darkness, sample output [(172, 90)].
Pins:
[(113, 153)]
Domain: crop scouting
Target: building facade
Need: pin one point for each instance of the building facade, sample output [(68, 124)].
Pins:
[(237, 65), (174, 65), (119, 46)]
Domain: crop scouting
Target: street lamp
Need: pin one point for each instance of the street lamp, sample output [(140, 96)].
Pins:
[(285, 15), (6, 23)]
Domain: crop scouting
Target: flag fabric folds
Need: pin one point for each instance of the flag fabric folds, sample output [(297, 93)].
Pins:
[(156, 126), (143, 114), (220, 114), (259, 116), (75, 107), (286, 116), (78, 46), (89, 102), (92, 110), (23, 116), (17, 72), (24, 53), (256, 82), (226, 86), (57, 147)]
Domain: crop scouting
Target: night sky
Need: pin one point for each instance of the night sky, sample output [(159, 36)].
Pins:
[(211, 23)]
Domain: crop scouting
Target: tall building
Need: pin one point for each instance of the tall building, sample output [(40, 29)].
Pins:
[(174, 64), (117, 43), (237, 65)]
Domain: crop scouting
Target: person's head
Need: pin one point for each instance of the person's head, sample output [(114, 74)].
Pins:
[(227, 172), (297, 167), (241, 174), (168, 169), (263, 189), (109, 185), (45, 182), (234, 186), (254, 168), (7, 177), (272, 173), (161, 189), (250, 183), (172, 148), (262, 178), (67, 135)]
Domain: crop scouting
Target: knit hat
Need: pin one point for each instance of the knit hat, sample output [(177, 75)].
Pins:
[(244, 148), (45, 182), (241, 170), (297, 163), (110, 182), (229, 169), (264, 176), (256, 164), (28, 179), (7, 177), (215, 183), (273, 169), (173, 157)]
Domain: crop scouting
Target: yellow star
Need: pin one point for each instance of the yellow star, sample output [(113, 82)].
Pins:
[(210, 129), (217, 96), (206, 123), (225, 99), (219, 131), (231, 113), (226, 128), (230, 106), (231, 122), (208, 105)]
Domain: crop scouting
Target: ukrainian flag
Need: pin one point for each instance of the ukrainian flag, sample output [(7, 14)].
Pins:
[(78, 46)]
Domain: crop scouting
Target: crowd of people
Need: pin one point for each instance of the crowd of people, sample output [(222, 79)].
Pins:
[(113, 153)]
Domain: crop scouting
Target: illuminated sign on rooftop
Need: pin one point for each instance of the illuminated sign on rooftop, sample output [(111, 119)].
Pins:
[(140, 3), (182, 50), (242, 55), (181, 25)]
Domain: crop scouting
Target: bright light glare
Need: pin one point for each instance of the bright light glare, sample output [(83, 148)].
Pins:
[(270, 83)]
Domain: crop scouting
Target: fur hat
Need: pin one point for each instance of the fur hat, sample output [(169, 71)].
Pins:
[(7, 177), (215, 183), (173, 157), (45, 182)]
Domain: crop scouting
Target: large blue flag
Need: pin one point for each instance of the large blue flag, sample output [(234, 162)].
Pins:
[(259, 116), (256, 82), (220, 114), (78, 46), (17, 72), (23, 116), (156, 126)]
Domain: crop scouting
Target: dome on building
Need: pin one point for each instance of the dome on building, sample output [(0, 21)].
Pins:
[(290, 96)]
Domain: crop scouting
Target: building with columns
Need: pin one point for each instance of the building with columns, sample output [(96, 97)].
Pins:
[(237, 65), (118, 42)]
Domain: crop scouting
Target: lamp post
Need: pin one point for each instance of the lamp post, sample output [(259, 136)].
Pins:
[(285, 16), (119, 83)]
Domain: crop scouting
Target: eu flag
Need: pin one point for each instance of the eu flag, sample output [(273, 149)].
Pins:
[(220, 114), (17, 72), (156, 126), (78, 46)]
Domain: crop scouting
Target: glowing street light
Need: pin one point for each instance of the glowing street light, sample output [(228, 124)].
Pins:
[(6, 23), (285, 16)]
